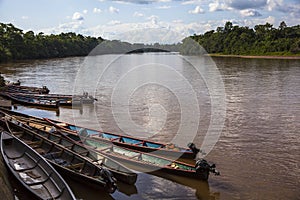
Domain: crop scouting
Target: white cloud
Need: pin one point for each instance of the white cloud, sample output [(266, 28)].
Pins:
[(246, 4), (250, 13), (138, 14), (77, 16), (114, 22), (294, 11), (272, 4), (217, 6), (24, 17), (142, 1), (163, 7), (153, 19), (177, 21), (85, 11), (113, 9), (97, 10), (194, 2), (74, 26), (270, 20), (122, 2), (197, 10), (154, 29)]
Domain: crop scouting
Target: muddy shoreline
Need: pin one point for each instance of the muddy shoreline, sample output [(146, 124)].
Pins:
[(261, 57)]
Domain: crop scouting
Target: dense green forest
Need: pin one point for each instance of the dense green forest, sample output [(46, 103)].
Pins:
[(16, 45), (261, 40)]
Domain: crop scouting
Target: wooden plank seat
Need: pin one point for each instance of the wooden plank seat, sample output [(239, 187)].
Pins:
[(40, 182), (28, 168), (86, 152), (75, 166), (17, 133), (34, 143)]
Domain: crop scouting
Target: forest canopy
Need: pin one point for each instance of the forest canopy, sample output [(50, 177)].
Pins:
[(16, 45), (260, 40)]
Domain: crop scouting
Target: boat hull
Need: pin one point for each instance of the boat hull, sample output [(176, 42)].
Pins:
[(120, 172), (132, 143), (26, 100), (64, 160), (33, 171), (149, 163)]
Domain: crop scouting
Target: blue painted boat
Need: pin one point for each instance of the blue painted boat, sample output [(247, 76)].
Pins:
[(139, 161), (166, 150), (31, 100)]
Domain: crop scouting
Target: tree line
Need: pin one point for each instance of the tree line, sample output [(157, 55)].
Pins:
[(260, 40), (17, 45), (230, 39)]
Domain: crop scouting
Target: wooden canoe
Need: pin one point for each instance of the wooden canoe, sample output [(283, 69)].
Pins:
[(27, 89), (64, 100), (32, 170), (31, 100), (149, 163), (139, 161), (161, 149), (120, 172), (65, 161)]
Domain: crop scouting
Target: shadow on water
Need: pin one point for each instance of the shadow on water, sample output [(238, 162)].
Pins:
[(201, 187), (163, 186), (84, 192), (126, 189), (35, 110)]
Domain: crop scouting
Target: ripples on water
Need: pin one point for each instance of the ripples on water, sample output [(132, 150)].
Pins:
[(258, 152)]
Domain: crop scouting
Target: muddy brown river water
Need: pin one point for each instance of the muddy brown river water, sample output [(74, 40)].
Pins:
[(257, 153)]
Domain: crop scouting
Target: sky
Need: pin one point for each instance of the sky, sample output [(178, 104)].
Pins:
[(144, 21)]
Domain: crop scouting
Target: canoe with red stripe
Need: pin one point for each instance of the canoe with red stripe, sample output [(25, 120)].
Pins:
[(167, 150)]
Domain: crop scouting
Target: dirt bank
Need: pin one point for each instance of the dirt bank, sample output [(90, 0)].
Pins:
[(264, 57)]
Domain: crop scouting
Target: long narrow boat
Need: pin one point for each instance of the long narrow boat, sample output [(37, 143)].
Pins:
[(150, 163), (166, 150), (120, 172), (160, 149), (27, 89), (65, 100), (67, 162), (144, 162), (69, 99), (32, 170), (31, 100), (139, 161)]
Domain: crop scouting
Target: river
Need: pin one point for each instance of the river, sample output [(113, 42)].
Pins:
[(257, 147)]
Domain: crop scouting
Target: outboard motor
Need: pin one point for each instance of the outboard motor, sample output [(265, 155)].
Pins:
[(110, 180), (194, 149), (203, 168)]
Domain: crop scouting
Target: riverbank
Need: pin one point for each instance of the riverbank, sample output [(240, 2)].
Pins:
[(296, 57)]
